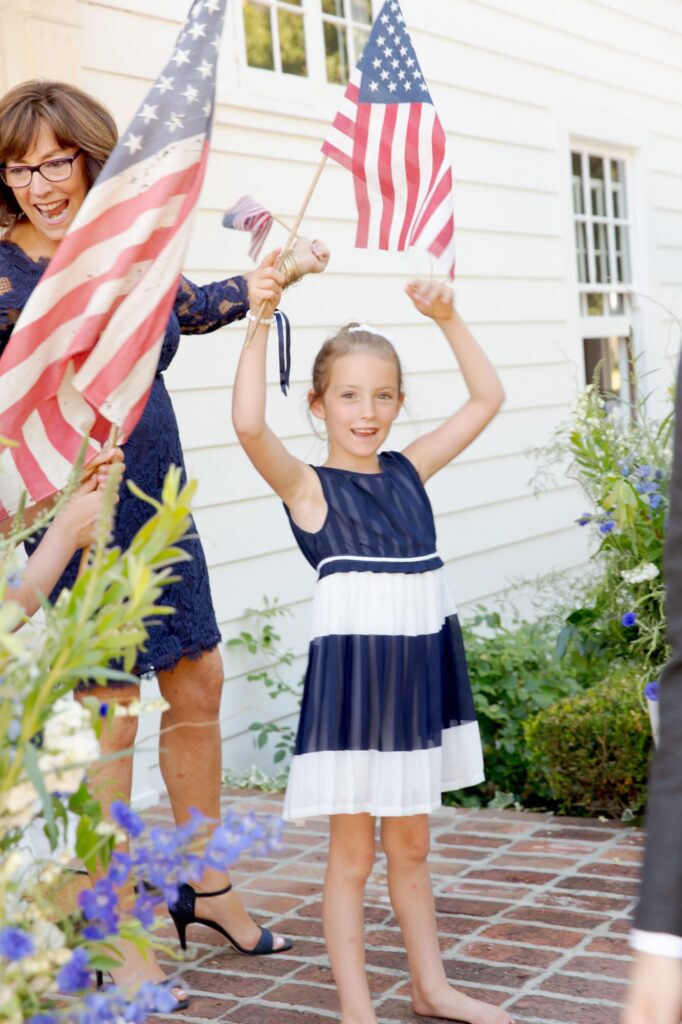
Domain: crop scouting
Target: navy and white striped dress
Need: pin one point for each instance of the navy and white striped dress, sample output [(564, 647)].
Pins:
[(387, 721)]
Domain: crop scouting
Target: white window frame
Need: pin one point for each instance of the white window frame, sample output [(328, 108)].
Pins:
[(620, 326), (312, 90)]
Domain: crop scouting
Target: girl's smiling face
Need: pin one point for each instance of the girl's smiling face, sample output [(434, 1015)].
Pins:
[(50, 206), (359, 406)]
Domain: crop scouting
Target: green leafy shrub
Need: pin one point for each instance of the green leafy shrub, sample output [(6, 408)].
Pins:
[(592, 749), (514, 673)]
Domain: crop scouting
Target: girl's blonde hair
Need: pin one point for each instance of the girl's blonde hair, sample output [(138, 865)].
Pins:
[(352, 337), (76, 119)]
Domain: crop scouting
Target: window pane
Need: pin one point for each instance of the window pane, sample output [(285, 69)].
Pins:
[(601, 256), (581, 252), (297, 3), (361, 10), (577, 180), (616, 304), (610, 357), (336, 49), (333, 7), (622, 254), (292, 43), (597, 186), (618, 189), (360, 37), (259, 50), (594, 304)]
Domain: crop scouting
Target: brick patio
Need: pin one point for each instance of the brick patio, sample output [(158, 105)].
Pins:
[(532, 913)]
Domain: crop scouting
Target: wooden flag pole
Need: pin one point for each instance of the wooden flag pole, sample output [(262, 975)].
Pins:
[(293, 232), (111, 442)]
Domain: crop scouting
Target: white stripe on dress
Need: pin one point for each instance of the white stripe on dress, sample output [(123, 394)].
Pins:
[(383, 783), (374, 558), (381, 604)]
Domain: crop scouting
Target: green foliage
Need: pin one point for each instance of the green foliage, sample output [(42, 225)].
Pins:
[(514, 673), (266, 642), (593, 749), (622, 460)]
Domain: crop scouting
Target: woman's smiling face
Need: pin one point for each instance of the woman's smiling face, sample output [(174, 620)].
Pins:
[(51, 206)]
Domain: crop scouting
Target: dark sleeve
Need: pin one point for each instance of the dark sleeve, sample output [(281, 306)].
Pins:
[(660, 904), (10, 307), (201, 309)]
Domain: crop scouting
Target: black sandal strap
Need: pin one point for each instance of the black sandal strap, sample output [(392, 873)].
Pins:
[(199, 895)]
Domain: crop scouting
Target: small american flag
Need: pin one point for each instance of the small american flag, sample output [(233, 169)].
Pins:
[(247, 214), (84, 351), (387, 133)]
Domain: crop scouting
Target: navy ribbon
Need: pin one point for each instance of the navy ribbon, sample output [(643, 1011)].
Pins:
[(284, 345)]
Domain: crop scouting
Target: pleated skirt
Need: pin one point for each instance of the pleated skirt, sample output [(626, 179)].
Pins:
[(387, 720)]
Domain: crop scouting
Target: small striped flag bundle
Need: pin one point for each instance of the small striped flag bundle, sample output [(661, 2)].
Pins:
[(247, 214), (85, 349), (388, 135)]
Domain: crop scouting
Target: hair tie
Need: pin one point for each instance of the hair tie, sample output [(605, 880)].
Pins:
[(370, 330)]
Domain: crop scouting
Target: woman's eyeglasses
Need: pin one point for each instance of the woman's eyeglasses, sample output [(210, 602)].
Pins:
[(59, 169)]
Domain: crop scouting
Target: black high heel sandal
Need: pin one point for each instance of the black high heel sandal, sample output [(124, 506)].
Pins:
[(169, 983), (183, 914)]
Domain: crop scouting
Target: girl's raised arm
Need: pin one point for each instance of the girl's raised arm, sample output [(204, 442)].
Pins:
[(433, 450), (294, 481)]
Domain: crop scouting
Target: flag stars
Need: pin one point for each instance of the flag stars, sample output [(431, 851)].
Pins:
[(391, 30), (205, 69), (148, 113), (392, 87), (381, 40), (133, 143), (407, 85), (385, 19), (197, 29), (417, 73), (191, 94), (215, 43), (401, 74), (424, 87), (376, 63), (410, 62), (164, 84), (384, 75), (374, 86), (395, 63), (174, 121), (180, 57), (206, 109), (403, 52), (388, 52), (212, 6)]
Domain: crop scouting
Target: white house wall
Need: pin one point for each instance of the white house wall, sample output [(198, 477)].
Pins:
[(515, 81)]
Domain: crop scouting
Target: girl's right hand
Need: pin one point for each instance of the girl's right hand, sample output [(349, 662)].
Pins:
[(265, 284), (432, 299)]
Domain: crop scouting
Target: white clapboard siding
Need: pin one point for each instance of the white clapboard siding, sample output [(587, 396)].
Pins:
[(515, 81)]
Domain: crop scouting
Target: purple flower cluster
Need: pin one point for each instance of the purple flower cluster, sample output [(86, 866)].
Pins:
[(629, 619), (649, 484), (75, 975), (652, 690), (15, 944)]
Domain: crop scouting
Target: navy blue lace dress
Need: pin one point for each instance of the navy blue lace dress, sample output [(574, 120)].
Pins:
[(152, 447)]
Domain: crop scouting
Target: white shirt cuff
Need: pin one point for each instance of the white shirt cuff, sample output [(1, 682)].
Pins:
[(659, 943)]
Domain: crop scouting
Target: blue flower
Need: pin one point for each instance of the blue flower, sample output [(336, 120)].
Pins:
[(43, 1018), (126, 817), (99, 906), (144, 907), (645, 472), (646, 488), (652, 689), (74, 975), (629, 619), (103, 709), (623, 467), (15, 944), (607, 526), (584, 519), (655, 500), (119, 868)]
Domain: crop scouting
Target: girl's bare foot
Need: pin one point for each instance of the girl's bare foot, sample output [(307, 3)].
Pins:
[(450, 1004)]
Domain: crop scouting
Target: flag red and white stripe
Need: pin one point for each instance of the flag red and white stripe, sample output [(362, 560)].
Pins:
[(85, 349), (388, 135)]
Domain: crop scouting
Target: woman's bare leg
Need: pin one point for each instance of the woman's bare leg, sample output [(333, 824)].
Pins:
[(190, 757)]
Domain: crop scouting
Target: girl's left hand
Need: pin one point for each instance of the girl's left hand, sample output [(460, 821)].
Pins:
[(265, 284), (432, 299)]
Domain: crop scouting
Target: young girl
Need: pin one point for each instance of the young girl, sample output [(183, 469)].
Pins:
[(387, 721)]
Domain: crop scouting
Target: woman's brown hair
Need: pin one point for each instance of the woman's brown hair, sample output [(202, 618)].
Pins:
[(75, 118), (352, 337)]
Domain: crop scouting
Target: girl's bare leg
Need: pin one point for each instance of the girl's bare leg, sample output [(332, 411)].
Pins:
[(406, 844), (351, 856), (190, 760)]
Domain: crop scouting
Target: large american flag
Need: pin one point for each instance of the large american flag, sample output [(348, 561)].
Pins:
[(387, 133), (84, 351)]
